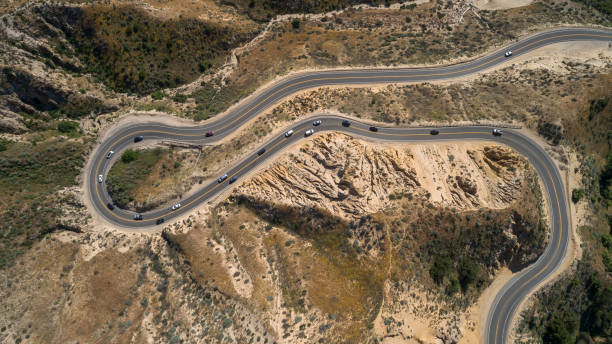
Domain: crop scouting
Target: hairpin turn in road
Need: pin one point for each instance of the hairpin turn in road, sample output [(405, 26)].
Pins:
[(511, 295)]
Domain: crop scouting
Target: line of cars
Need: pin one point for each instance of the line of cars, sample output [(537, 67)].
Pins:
[(345, 123)]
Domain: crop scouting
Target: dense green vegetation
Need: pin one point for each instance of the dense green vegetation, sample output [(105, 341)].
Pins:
[(578, 308), (603, 6), (129, 172), (132, 51), (460, 252), (605, 181), (30, 175)]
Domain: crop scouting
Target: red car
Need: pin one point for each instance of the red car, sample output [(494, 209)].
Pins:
[(209, 134)]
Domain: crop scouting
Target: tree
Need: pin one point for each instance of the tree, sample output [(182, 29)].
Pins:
[(468, 274), (296, 23), (557, 333), (440, 269)]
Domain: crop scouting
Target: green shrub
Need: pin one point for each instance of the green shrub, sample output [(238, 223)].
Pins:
[(576, 195), (469, 274), (180, 98), (440, 269), (129, 156), (597, 106), (67, 126), (158, 95), (296, 23), (204, 66)]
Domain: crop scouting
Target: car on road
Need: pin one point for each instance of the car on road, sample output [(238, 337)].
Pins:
[(316, 123), (210, 133), (176, 206), (233, 179), (110, 153), (110, 206), (309, 132), (289, 133), (434, 132), (138, 138), (346, 123), (222, 178), (100, 178), (159, 221), (497, 132), (508, 53), (373, 128), (261, 151), (137, 217)]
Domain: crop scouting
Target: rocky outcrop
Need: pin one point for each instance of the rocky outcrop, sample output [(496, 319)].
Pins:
[(350, 177), (338, 173)]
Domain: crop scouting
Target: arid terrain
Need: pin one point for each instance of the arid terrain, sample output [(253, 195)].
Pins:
[(317, 245), (335, 240)]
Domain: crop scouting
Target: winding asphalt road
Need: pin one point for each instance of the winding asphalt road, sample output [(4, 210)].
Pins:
[(511, 295)]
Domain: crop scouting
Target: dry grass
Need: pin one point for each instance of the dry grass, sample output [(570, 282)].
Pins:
[(207, 266), (382, 37)]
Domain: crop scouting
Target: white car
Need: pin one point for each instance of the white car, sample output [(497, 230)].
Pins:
[(508, 53), (100, 178), (317, 122), (176, 206), (289, 133), (309, 132), (109, 154)]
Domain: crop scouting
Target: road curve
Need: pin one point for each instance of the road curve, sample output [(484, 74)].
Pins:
[(511, 295)]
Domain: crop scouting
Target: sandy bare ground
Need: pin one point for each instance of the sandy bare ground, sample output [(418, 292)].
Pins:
[(500, 4)]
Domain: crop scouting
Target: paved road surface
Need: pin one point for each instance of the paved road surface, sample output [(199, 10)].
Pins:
[(512, 294)]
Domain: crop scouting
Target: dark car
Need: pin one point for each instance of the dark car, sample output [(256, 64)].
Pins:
[(138, 138), (261, 151), (110, 206), (346, 123), (497, 132), (434, 132), (233, 179), (137, 217), (210, 133), (159, 221), (373, 128), (222, 178)]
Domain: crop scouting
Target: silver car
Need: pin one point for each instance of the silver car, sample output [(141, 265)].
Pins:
[(100, 178), (176, 206), (289, 133), (309, 132)]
